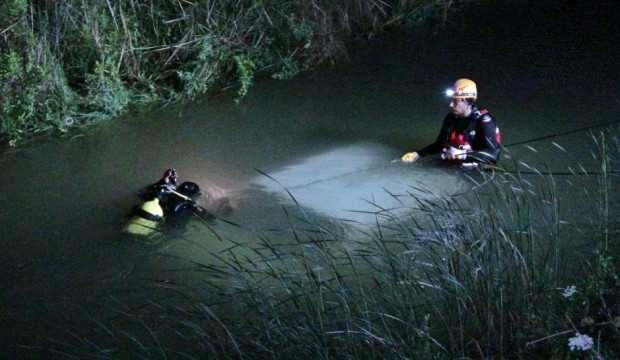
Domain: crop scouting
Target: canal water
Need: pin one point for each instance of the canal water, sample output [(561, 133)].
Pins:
[(319, 146)]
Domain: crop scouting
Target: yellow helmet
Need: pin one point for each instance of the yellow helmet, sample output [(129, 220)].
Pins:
[(463, 89)]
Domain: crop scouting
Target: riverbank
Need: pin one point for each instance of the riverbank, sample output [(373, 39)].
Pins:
[(70, 63)]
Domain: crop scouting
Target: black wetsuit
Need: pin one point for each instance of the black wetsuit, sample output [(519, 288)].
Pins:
[(478, 130)]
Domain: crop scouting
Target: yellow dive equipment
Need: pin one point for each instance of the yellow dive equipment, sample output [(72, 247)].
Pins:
[(146, 219)]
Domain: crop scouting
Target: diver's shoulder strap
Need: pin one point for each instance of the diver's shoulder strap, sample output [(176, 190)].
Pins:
[(151, 210), (147, 215)]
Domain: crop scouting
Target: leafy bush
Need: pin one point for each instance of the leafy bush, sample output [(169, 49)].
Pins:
[(71, 62)]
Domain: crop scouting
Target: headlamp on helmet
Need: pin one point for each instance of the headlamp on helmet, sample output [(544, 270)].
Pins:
[(463, 89)]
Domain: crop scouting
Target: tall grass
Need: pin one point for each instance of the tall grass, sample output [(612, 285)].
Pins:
[(501, 272), (70, 62)]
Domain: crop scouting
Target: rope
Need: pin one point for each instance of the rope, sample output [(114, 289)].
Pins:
[(574, 131), (545, 137)]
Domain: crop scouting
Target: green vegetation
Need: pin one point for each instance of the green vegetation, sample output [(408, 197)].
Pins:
[(498, 274), (72, 62)]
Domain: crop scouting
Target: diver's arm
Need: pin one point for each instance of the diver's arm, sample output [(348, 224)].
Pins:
[(488, 150)]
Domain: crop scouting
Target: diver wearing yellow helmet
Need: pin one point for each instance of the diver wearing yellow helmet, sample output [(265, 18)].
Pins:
[(469, 135)]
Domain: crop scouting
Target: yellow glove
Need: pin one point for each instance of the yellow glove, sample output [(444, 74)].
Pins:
[(410, 157)]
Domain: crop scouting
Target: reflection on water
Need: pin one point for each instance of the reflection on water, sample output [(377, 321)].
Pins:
[(356, 181)]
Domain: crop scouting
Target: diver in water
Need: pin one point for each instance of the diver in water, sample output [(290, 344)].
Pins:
[(164, 200), (469, 135), (176, 199)]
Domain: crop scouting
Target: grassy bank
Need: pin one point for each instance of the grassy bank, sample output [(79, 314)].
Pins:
[(499, 273), (73, 62)]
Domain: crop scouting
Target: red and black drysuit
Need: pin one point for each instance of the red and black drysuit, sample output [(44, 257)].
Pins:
[(477, 132)]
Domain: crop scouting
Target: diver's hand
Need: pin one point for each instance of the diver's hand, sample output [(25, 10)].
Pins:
[(166, 188), (452, 153), (410, 157)]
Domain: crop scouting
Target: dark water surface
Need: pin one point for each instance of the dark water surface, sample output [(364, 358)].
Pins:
[(327, 136)]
